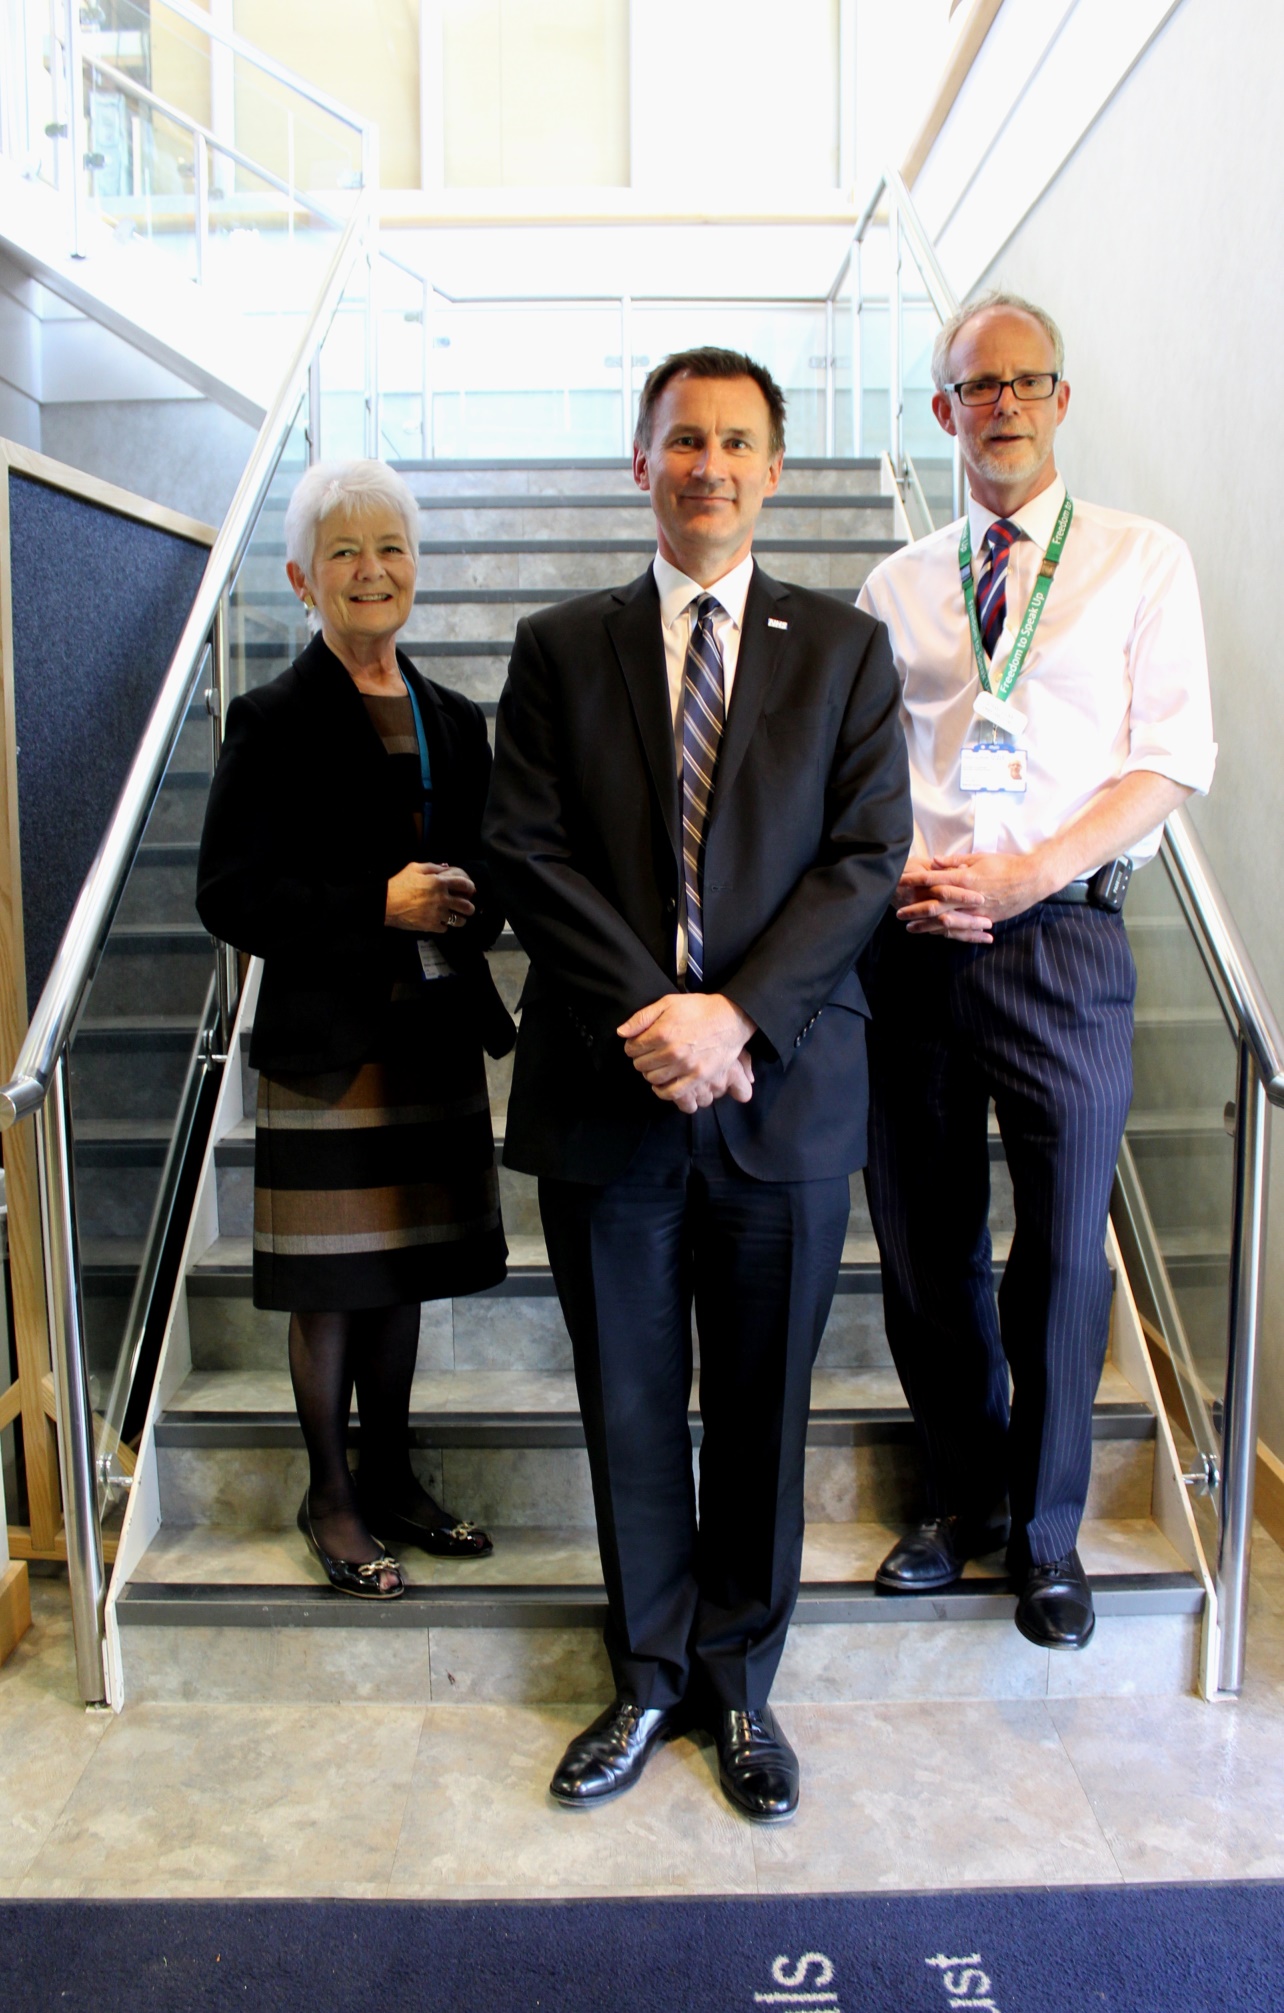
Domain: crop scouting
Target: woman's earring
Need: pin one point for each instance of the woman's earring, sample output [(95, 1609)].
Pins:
[(309, 603)]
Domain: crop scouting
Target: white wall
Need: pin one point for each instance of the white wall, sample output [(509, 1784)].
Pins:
[(20, 357), (186, 453), (1157, 247)]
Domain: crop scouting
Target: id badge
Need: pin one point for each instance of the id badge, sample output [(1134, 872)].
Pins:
[(990, 766), (1000, 713)]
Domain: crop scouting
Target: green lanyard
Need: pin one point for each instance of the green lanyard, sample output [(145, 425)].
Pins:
[(1034, 607)]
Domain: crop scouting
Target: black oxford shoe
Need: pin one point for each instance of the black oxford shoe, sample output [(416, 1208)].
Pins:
[(1054, 1605), (757, 1767), (935, 1552), (609, 1756)]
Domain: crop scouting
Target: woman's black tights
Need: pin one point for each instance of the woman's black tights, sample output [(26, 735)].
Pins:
[(375, 1348)]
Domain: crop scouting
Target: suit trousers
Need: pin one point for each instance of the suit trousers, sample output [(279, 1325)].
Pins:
[(699, 1596), (1041, 1021)]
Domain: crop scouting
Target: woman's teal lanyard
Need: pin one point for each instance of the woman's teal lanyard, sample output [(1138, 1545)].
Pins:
[(1034, 607), (425, 767)]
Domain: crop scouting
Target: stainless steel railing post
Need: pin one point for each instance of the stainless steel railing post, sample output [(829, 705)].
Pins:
[(895, 392), (314, 408), (425, 372), (374, 425), (75, 1419), (216, 702), (201, 203), (1239, 1419), (830, 387), (626, 376), (75, 126)]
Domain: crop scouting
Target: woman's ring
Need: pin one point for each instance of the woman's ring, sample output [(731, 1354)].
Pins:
[(453, 921)]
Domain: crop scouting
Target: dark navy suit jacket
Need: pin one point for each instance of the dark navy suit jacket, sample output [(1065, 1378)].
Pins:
[(809, 828)]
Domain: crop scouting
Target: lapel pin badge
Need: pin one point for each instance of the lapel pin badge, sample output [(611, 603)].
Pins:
[(774, 622)]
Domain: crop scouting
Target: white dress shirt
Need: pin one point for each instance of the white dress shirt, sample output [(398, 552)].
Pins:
[(678, 596), (1116, 678)]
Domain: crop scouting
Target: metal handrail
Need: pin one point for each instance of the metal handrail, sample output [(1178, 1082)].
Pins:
[(227, 38), (1224, 952), (130, 89), (77, 956)]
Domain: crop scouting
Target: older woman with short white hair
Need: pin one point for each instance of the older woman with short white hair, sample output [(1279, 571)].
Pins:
[(342, 847)]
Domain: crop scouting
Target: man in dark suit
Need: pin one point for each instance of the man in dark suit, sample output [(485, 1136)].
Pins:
[(699, 813)]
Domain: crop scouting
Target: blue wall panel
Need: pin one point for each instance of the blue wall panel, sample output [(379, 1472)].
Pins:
[(99, 602)]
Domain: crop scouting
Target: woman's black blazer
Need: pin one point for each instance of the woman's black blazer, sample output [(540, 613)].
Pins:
[(302, 835)]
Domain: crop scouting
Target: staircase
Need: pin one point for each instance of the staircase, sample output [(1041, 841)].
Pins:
[(216, 1597), (132, 1049)]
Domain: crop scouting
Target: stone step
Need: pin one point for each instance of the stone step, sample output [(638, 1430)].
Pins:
[(1182, 1057), (153, 968), (1170, 971), (162, 884), (511, 1462), (1186, 1169), (536, 564), (244, 1617), (803, 475), (552, 520), (473, 615), (519, 1200), (128, 1069), (517, 1324), (179, 810)]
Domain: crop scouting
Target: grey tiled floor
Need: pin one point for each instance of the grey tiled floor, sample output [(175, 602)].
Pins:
[(372, 1800)]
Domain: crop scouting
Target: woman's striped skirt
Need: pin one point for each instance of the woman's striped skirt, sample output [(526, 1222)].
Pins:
[(375, 1185)]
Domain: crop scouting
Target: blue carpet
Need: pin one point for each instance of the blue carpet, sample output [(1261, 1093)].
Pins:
[(1181, 1949)]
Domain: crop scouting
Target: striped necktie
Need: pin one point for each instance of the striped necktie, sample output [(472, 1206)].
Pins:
[(703, 714), (992, 597)]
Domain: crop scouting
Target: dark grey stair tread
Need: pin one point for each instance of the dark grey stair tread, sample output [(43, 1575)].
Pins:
[(875, 1427), (417, 466), (159, 937), (540, 1409), (150, 1032), (444, 597), (1193, 1122), (443, 546), (158, 1604), (1200, 1244), (1209, 1015), (188, 779), (551, 500), (169, 852), (226, 1267), (552, 1577)]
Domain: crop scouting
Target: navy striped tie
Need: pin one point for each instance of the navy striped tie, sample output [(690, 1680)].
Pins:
[(992, 597), (703, 714)]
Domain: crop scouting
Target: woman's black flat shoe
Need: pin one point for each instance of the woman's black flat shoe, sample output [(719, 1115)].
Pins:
[(362, 1581), (445, 1539)]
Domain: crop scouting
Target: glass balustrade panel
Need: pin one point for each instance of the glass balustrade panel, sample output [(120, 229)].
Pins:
[(790, 338), (267, 626), (273, 197), (1184, 1080), (34, 132), (512, 380), (133, 1065)]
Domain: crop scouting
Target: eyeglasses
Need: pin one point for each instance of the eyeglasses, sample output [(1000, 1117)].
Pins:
[(989, 390)]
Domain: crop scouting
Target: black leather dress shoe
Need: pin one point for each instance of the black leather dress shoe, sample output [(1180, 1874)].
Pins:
[(609, 1756), (757, 1767), (1054, 1605), (935, 1552)]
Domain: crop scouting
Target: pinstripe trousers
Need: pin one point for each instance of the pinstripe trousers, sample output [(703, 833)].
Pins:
[(1040, 1021)]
